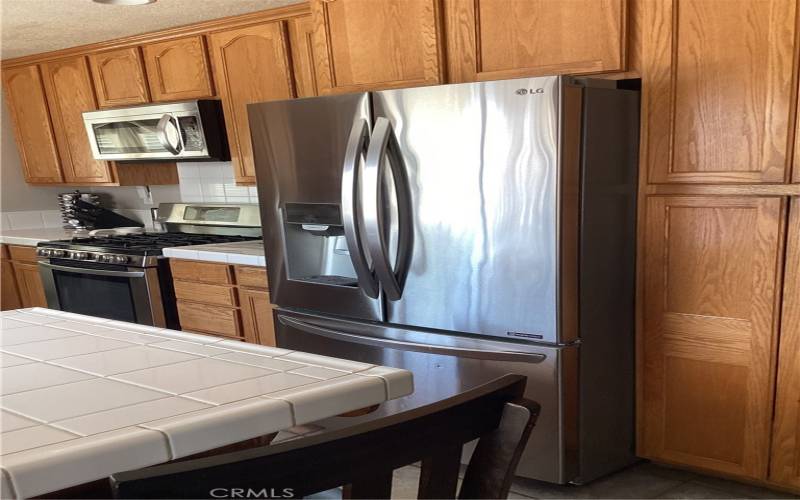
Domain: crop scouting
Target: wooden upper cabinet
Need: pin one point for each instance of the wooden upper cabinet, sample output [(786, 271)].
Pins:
[(497, 39), (33, 130), (119, 77), (250, 65), (69, 92), (301, 43), (367, 45), (178, 69), (717, 91), (785, 466), (712, 274)]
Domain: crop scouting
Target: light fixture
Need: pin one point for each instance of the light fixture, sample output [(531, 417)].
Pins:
[(125, 2)]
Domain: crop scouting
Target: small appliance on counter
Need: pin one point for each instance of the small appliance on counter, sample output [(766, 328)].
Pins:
[(84, 211), (125, 276)]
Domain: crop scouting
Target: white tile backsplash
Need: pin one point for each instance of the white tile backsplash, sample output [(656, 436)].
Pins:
[(52, 218), (212, 182), (29, 219)]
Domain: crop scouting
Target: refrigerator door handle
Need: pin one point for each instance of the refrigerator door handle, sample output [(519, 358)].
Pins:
[(356, 148), (449, 350), (382, 146)]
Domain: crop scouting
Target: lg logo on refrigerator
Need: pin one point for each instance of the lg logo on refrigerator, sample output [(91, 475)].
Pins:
[(530, 91)]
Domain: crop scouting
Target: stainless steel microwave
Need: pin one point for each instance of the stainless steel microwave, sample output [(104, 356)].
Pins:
[(188, 130)]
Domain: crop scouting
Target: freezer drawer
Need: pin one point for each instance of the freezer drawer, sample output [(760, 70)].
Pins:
[(445, 365)]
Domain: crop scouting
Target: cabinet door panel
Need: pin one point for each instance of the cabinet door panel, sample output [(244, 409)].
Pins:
[(251, 65), (30, 285), (785, 466), (496, 39), (712, 268), (32, 127), (362, 44), (119, 77), (257, 318), (9, 292), (178, 69), (70, 93), (717, 93), (209, 319), (301, 43)]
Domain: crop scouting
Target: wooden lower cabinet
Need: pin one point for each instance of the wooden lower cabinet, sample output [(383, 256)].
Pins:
[(712, 270), (9, 292), (30, 284), (26, 272), (257, 321), (220, 299), (200, 317), (785, 465)]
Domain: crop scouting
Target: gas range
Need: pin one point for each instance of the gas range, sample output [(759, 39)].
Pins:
[(134, 250), (125, 276)]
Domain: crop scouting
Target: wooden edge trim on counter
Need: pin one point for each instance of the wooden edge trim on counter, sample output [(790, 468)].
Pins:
[(724, 189), (199, 28)]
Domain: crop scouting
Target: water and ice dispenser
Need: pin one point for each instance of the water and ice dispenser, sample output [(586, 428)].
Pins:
[(316, 249)]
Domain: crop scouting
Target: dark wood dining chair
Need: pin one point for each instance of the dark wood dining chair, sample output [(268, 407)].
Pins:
[(362, 458)]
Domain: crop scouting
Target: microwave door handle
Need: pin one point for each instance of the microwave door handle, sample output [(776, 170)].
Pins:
[(94, 272), (356, 146), (382, 146), (161, 133)]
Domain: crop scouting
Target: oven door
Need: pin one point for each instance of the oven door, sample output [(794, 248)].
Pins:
[(107, 291)]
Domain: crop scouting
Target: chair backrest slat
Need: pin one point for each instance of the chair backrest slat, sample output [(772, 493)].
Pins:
[(362, 456), (491, 468)]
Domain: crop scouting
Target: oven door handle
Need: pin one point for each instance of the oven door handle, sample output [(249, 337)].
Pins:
[(96, 272)]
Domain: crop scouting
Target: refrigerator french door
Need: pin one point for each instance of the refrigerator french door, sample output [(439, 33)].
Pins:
[(498, 215), (311, 232)]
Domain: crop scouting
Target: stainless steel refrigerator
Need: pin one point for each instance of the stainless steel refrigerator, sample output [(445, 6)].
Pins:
[(464, 232)]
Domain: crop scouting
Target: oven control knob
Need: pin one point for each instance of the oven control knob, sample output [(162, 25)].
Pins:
[(105, 258), (120, 259), (79, 255), (57, 253), (44, 252)]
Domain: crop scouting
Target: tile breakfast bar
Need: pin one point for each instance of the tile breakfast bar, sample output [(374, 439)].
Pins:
[(86, 397)]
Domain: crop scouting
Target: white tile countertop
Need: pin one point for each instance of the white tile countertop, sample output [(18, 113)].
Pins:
[(30, 237), (248, 253), (85, 397)]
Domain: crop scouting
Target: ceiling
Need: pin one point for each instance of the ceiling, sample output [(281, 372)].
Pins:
[(34, 26)]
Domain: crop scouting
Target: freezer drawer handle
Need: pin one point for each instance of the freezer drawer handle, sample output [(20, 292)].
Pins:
[(382, 146), (411, 346), (356, 149)]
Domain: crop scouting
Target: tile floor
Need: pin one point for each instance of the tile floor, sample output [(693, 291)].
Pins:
[(645, 480)]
